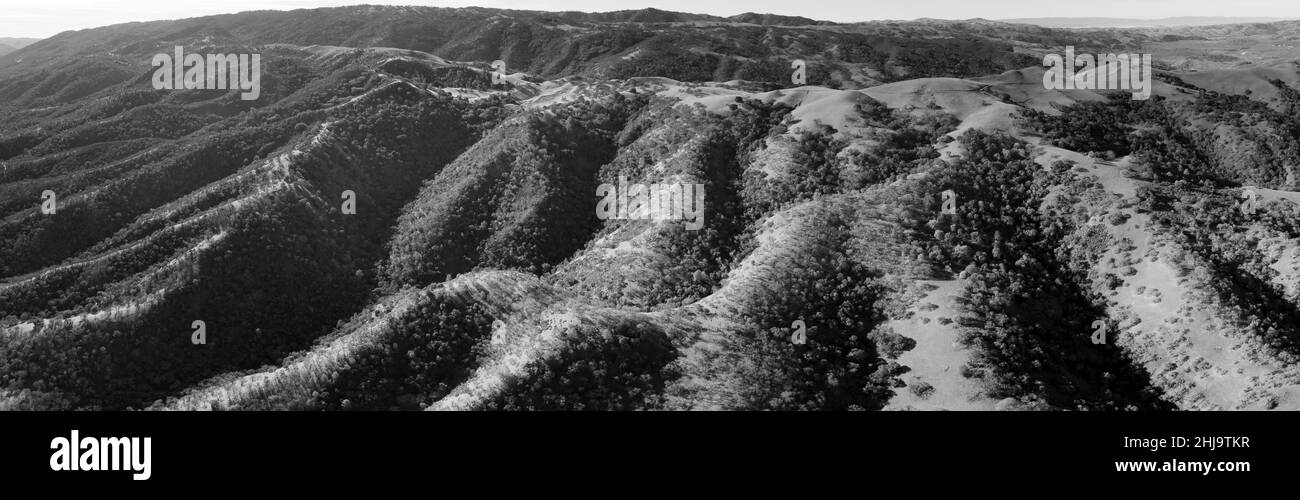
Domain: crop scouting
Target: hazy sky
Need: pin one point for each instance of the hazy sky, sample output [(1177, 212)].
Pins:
[(42, 18)]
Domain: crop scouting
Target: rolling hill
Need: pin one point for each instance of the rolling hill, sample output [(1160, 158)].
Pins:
[(920, 225)]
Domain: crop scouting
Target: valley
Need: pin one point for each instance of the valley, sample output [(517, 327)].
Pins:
[(479, 271)]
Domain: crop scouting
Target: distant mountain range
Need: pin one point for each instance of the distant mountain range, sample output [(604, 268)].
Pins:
[(8, 45), (1120, 22)]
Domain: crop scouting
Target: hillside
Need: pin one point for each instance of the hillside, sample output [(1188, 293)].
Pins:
[(919, 226), (1119, 22)]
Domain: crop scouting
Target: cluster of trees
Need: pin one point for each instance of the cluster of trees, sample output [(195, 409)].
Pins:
[(1198, 154), (1095, 126), (688, 66), (23, 180), (905, 143), (65, 82), (168, 121), (407, 139), (701, 258), (669, 62), (438, 77), (35, 241), (1216, 140), (1283, 216), (520, 198), (624, 366), (420, 357), (12, 145), (1027, 313), (834, 366), (264, 291), (557, 184), (290, 264), (822, 165), (955, 57), (77, 287), (715, 150), (1225, 259)]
